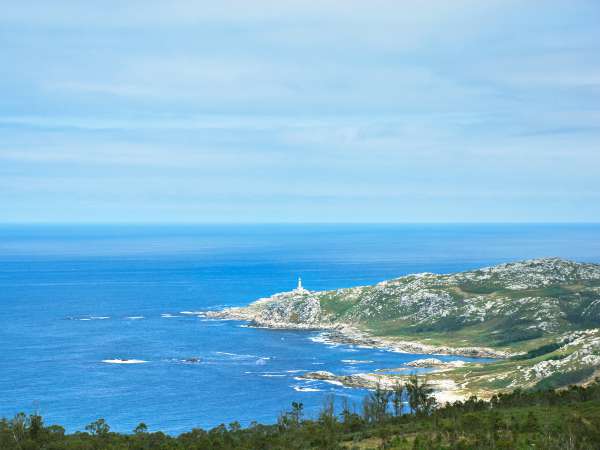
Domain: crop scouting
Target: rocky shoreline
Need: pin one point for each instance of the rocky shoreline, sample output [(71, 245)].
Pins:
[(445, 390), (346, 334), (525, 308), (351, 336)]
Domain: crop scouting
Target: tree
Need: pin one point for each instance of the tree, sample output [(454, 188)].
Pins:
[(142, 428), (420, 398), (397, 398), (297, 412), (98, 428), (291, 419), (36, 426), (375, 405)]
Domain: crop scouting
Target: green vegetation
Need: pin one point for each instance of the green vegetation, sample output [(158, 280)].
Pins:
[(540, 320), (539, 351), (544, 312), (505, 307), (564, 378), (540, 419)]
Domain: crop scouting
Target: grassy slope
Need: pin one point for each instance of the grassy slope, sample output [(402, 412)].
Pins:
[(511, 321), (502, 331)]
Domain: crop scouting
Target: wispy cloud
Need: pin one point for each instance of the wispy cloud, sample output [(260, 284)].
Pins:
[(417, 110)]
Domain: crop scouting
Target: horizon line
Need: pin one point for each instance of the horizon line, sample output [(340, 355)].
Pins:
[(225, 223)]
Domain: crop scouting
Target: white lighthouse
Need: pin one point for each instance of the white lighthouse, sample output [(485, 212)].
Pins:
[(299, 288)]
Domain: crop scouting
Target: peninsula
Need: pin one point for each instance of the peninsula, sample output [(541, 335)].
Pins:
[(538, 318)]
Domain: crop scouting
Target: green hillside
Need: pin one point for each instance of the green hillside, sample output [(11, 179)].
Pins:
[(512, 306), (539, 317)]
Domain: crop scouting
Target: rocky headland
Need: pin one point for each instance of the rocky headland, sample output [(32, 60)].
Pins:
[(539, 319)]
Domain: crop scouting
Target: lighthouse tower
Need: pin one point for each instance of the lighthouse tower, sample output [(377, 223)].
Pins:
[(299, 288)]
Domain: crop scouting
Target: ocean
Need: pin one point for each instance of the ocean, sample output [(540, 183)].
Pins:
[(74, 297)]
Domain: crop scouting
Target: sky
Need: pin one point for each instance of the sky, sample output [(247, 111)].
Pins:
[(299, 111)]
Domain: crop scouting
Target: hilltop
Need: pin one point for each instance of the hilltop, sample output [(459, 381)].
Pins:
[(541, 316)]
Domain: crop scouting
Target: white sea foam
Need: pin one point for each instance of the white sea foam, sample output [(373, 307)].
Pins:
[(236, 356), (191, 313), (305, 389), (272, 375), (124, 361), (320, 338), (356, 361), (168, 316), (88, 318), (135, 317), (306, 380)]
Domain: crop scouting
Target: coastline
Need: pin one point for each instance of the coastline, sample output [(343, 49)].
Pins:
[(350, 335), (533, 311), (347, 334), (445, 389)]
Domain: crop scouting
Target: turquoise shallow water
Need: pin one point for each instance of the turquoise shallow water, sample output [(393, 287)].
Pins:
[(74, 296)]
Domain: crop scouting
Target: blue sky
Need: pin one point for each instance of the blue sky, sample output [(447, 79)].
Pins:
[(293, 111)]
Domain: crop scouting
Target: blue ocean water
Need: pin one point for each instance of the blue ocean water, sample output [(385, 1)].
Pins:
[(73, 296)]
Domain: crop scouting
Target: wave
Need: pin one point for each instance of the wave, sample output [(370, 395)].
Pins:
[(259, 360), (135, 317), (357, 361), (241, 355), (321, 338), (305, 389), (88, 318), (191, 313), (334, 382), (124, 361), (168, 316), (273, 375), (237, 355), (261, 372)]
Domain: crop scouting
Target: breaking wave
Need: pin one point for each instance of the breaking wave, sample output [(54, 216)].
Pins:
[(305, 389), (124, 361)]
